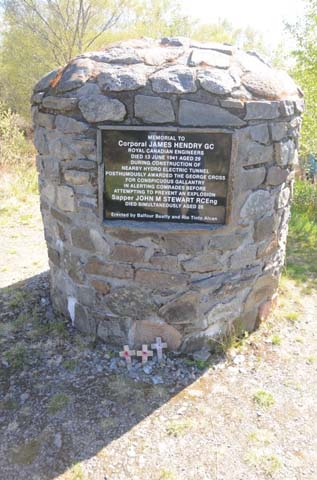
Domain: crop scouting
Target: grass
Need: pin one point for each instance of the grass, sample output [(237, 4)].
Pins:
[(26, 454), (177, 428), (17, 356), (276, 340), (301, 263), (264, 460), (263, 399), (57, 403)]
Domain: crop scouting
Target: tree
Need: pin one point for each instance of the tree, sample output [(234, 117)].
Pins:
[(304, 33)]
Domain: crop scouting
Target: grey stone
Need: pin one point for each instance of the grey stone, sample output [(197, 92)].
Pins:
[(97, 108), (76, 73), (263, 289), (285, 153), (76, 177), (264, 84), (251, 153), (279, 131), (60, 104), (215, 81), (232, 104), (243, 256), (227, 242), (257, 204), (287, 108), (175, 41), (175, 79), (218, 47), (44, 120), (144, 331), (69, 125), (204, 263), (199, 114), (299, 105), (276, 176), (44, 84), (117, 78), (40, 141), (222, 314), (72, 148), (209, 57), (264, 228), (262, 110), (154, 109), (50, 166), (202, 355), (122, 55), (66, 199), (183, 310), (252, 178), (283, 198), (87, 90), (37, 98), (49, 192), (260, 133)]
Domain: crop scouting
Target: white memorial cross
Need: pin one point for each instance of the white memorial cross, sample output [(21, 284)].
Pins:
[(144, 353), (127, 354), (158, 346)]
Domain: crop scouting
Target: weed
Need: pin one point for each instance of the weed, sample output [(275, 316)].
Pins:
[(176, 428), (292, 316), (276, 339), (9, 405), (261, 437), (25, 455), (200, 364), (311, 359), (17, 356), (75, 473), (264, 460), (70, 364), (58, 402), (263, 398), (166, 475), (17, 298)]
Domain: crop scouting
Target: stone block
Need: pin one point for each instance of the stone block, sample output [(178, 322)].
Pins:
[(201, 57), (66, 199), (260, 133), (154, 109), (252, 153), (259, 110), (81, 239), (276, 176), (84, 322), (266, 308), (75, 177), (279, 131), (127, 253), (118, 79), (40, 141), (49, 191), (209, 262), (45, 120), (165, 262), (101, 286), (243, 257), (252, 178), (263, 289), (287, 108), (144, 331), (50, 166), (69, 125), (232, 104), (218, 82), (202, 115), (87, 90), (257, 204), (131, 302), (227, 242), (264, 85), (183, 310), (264, 228), (158, 279), (60, 104), (284, 198), (75, 74), (97, 267), (44, 84), (285, 153), (98, 108), (175, 79), (249, 321), (60, 216)]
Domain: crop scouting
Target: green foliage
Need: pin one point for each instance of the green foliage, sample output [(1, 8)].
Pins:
[(14, 147), (58, 402), (177, 428), (17, 356), (263, 398), (305, 200), (304, 33)]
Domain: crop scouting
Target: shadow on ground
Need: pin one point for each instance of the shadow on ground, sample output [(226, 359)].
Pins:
[(62, 396)]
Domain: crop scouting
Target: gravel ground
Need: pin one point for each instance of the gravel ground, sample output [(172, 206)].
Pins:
[(70, 410)]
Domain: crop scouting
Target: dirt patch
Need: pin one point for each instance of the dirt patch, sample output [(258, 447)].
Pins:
[(69, 409)]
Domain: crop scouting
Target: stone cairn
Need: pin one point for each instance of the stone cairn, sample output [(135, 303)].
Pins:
[(189, 284)]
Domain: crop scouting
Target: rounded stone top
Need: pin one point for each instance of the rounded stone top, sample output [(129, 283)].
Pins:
[(171, 66)]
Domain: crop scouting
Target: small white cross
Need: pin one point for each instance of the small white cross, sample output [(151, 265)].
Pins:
[(127, 354), (158, 346), (144, 353)]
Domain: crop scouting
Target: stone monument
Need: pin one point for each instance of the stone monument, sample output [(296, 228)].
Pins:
[(165, 172)]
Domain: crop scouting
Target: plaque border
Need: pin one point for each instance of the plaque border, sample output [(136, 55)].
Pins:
[(160, 225)]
